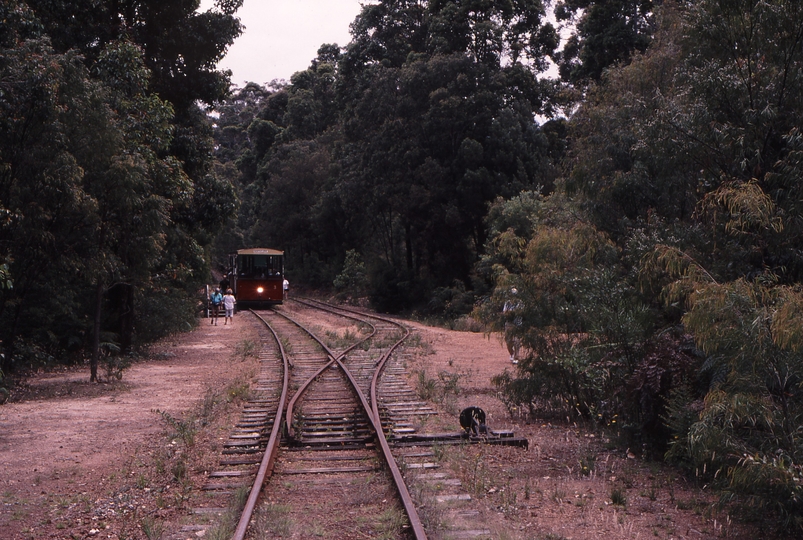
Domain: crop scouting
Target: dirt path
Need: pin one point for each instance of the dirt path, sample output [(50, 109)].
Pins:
[(125, 460), (71, 447)]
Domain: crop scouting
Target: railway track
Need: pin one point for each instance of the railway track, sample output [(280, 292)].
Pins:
[(319, 446), (334, 471)]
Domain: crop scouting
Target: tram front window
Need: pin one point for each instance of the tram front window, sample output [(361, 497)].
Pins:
[(259, 266)]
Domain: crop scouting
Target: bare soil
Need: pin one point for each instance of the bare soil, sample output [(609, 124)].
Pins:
[(572, 482), (126, 459), (110, 460)]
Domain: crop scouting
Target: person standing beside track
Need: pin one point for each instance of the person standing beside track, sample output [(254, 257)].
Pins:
[(512, 314), (228, 303), (285, 288), (215, 299)]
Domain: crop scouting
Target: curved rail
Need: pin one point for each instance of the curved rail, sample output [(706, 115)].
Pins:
[(333, 358), (272, 449), (373, 415), (401, 486)]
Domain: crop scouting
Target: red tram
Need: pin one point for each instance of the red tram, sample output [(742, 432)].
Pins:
[(256, 276)]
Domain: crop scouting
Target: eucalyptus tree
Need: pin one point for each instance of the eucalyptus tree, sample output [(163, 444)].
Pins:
[(134, 186), (181, 46), (604, 33), (687, 160), (440, 99), (107, 198)]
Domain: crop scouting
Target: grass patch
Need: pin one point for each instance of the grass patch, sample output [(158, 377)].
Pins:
[(245, 349), (184, 429), (390, 524), (152, 528), (271, 521), (442, 390), (231, 517), (618, 497)]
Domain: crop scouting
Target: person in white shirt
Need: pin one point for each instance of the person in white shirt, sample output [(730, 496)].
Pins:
[(228, 304)]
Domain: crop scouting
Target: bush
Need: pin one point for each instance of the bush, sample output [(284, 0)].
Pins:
[(393, 290), (164, 311), (353, 278), (451, 302)]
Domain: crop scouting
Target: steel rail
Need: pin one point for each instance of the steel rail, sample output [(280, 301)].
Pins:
[(407, 501), (332, 356), (373, 416), (272, 449)]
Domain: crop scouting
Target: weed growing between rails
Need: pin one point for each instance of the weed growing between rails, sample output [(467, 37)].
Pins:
[(342, 338), (228, 520), (416, 344), (271, 521), (429, 511), (391, 339)]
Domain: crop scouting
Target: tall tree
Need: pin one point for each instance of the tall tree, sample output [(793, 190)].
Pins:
[(426, 116), (40, 184), (181, 46), (440, 121), (605, 33), (104, 192)]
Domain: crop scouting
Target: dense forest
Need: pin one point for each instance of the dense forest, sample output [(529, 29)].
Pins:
[(640, 212), (108, 201)]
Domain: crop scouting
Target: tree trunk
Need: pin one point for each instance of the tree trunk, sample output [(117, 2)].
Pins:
[(10, 338), (408, 241), (93, 363), (127, 318)]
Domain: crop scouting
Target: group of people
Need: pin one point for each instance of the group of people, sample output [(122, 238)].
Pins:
[(217, 299)]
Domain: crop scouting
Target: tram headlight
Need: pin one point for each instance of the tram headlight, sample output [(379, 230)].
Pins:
[(260, 290)]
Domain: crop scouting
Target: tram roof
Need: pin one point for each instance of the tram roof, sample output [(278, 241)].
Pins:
[(259, 251)]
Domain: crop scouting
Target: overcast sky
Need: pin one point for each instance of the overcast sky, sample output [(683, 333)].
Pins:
[(283, 36)]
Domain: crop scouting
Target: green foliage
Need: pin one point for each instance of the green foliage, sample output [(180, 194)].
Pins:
[(114, 364), (184, 429), (452, 302), (618, 497), (352, 278), (246, 349), (660, 281), (5, 277), (273, 520), (605, 33), (746, 437), (439, 390), (152, 528), (169, 311), (105, 192), (393, 289), (588, 336), (4, 393)]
